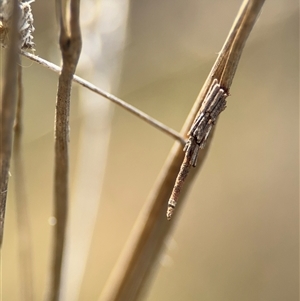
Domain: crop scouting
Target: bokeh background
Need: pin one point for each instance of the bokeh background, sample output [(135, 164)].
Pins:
[(237, 237)]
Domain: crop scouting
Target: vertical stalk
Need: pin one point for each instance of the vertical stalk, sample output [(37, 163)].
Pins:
[(8, 102), (70, 45), (24, 237)]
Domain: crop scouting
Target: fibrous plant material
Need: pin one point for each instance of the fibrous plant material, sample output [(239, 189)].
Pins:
[(25, 23)]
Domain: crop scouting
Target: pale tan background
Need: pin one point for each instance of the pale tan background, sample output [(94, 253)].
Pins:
[(237, 236)]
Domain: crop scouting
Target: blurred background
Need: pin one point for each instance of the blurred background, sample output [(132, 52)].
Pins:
[(237, 237)]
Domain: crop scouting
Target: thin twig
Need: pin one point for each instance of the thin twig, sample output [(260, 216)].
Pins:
[(152, 121), (25, 254), (70, 45), (131, 275), (9, 101)]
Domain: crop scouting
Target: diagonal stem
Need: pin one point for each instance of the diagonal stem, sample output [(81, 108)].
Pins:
[(140, 114), (133, 270), (249, 18)]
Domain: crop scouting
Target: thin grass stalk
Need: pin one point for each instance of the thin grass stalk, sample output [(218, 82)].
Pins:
[(126, 106), (24, 233), (70, 45), (8, 102), (131, 275)]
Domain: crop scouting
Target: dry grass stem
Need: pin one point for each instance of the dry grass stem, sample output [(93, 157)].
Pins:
[(152, 121), (8, 102), (132, 272), (215, 99), (249, 18), (70, 45), (25, 245)]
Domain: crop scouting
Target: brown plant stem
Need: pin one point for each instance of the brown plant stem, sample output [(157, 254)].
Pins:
[(70, 45), (25, 252), (248, 20), (132, 272), (8, 102)]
